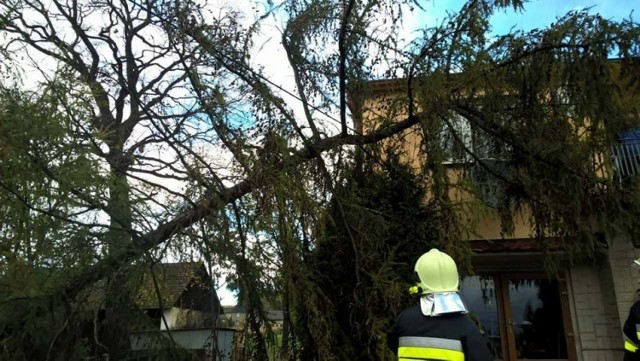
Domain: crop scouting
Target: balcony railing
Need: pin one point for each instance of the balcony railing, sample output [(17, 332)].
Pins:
[(626, 159)]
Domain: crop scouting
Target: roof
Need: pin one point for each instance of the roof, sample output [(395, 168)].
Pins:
[(182, 284), (392, 85), (173, 280)]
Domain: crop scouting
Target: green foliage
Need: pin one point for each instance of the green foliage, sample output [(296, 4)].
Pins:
[(31, 319), (155, 133), (374, 228), (37, 141)]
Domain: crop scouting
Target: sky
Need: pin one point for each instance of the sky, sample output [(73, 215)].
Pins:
[(538, 13)]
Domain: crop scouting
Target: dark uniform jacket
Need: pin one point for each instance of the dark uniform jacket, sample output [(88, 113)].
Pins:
[(631, 334), (450, 336)]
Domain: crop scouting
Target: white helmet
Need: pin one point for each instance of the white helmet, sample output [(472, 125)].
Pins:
[(437, 272)]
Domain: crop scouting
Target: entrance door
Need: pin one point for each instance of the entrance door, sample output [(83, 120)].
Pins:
[(523, 316)]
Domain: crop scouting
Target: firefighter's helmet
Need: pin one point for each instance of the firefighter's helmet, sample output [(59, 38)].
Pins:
[(437, 272)]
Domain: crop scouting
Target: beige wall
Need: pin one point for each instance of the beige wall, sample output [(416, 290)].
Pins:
[(486, 225), (386, 102), (601, 295), (595, 317), (483, 222), (625, 278)]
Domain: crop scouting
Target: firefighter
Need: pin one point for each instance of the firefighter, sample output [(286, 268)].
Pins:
[(631, 329), (437, 328)]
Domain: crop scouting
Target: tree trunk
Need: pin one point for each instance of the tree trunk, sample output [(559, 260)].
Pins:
[(119, 299)]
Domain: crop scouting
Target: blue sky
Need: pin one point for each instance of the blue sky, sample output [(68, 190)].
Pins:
[(538, 13), (542, 12)]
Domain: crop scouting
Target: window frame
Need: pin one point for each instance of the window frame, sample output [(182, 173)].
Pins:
[(507, 336)]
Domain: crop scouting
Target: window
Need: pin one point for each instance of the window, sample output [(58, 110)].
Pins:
[(488, 180), (522, 315), (455, 139), (488, 160), (461, 135)]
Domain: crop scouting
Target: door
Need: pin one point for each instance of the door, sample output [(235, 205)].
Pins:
[(523, 315)]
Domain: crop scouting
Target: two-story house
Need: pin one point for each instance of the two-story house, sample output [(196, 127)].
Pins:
[(525, 311)]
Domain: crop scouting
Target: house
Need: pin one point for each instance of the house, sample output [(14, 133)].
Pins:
[(182, 309), (524, 311)]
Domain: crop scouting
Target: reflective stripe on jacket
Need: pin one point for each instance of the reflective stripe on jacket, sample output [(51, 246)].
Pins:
[(629, 345), (451, 336), (412, 348), (631, 333)]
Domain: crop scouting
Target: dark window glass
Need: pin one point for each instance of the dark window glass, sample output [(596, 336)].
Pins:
[(536, 319), (479, 295)]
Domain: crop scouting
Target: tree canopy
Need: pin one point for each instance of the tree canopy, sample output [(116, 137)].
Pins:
[(133, 131)]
